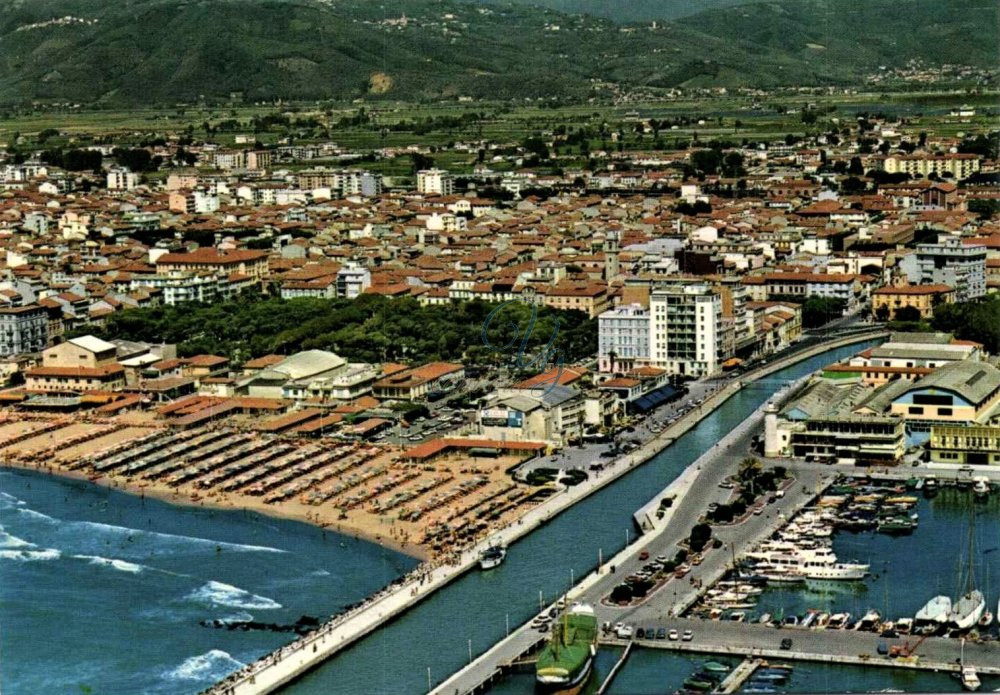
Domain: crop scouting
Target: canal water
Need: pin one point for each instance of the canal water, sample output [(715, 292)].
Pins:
[(475, 610), (102, 592)]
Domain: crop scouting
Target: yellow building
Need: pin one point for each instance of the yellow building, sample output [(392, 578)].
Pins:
[(971, 445), (887, 301)]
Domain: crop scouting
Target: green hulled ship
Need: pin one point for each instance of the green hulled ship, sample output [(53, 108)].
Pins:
[(566, 661)]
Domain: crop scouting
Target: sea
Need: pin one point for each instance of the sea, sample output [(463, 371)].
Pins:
[(103, 592)]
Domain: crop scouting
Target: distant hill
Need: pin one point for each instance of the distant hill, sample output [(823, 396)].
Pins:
[(165, 51), (628, 11)]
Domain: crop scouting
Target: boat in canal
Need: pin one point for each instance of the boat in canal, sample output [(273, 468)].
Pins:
[(492, 556), (567, 660)]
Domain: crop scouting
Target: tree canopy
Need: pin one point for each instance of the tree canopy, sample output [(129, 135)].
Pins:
[(370, 328)]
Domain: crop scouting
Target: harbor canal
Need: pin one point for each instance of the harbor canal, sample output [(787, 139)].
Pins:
[(469, 616)]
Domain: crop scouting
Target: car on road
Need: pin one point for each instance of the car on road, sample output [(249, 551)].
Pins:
[(786, 643), (673, 635), (758, 511), (644, 555), (687, 636)]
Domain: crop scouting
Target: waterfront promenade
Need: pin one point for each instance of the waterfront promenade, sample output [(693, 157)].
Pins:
[(291, 661)]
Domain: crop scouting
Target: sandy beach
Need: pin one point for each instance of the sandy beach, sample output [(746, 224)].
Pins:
[(428, 510)]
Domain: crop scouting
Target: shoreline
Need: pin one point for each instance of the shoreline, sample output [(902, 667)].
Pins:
[(177, 498)]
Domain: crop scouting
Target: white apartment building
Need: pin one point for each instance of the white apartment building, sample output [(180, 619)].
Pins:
[(122, 180), (352, 280), (623, 338), (435, 182), (953, 263), (686, 329)]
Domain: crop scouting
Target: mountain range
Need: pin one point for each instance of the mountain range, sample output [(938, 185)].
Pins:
[(166, 51)]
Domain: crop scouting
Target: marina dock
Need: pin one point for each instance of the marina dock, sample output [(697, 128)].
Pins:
[(739, 675)]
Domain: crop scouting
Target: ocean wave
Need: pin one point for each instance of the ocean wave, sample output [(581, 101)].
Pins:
[(35, 515), (241, 617), (120, 565), (31, 555), (210, 666), (239, 547), (9, 541), (10, 500), (220, 594)]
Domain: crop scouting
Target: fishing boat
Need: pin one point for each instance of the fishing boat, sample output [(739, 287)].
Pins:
[(896, 525), (969, 677), (492, 556), (715, 667), (567, 660), (970, 680)]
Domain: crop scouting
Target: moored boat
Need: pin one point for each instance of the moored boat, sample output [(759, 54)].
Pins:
[(934, 613), (566, 661), (967, 611), (492, 557)]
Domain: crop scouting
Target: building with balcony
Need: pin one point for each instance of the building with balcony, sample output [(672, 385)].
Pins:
[(23, 329), (686, 329), (975, 445), (623, 338)]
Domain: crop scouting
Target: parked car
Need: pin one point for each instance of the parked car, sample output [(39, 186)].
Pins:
[(786, 643), (673, 635), (687, 636), (661, 633)]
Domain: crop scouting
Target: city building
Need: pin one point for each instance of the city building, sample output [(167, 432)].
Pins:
[(953, 263), (121, 179), (435, 182), (623, 338), (686, 329), (959, 166), (918, 300), (252, 264), (352, 280), (23, 329), (974, 445)]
